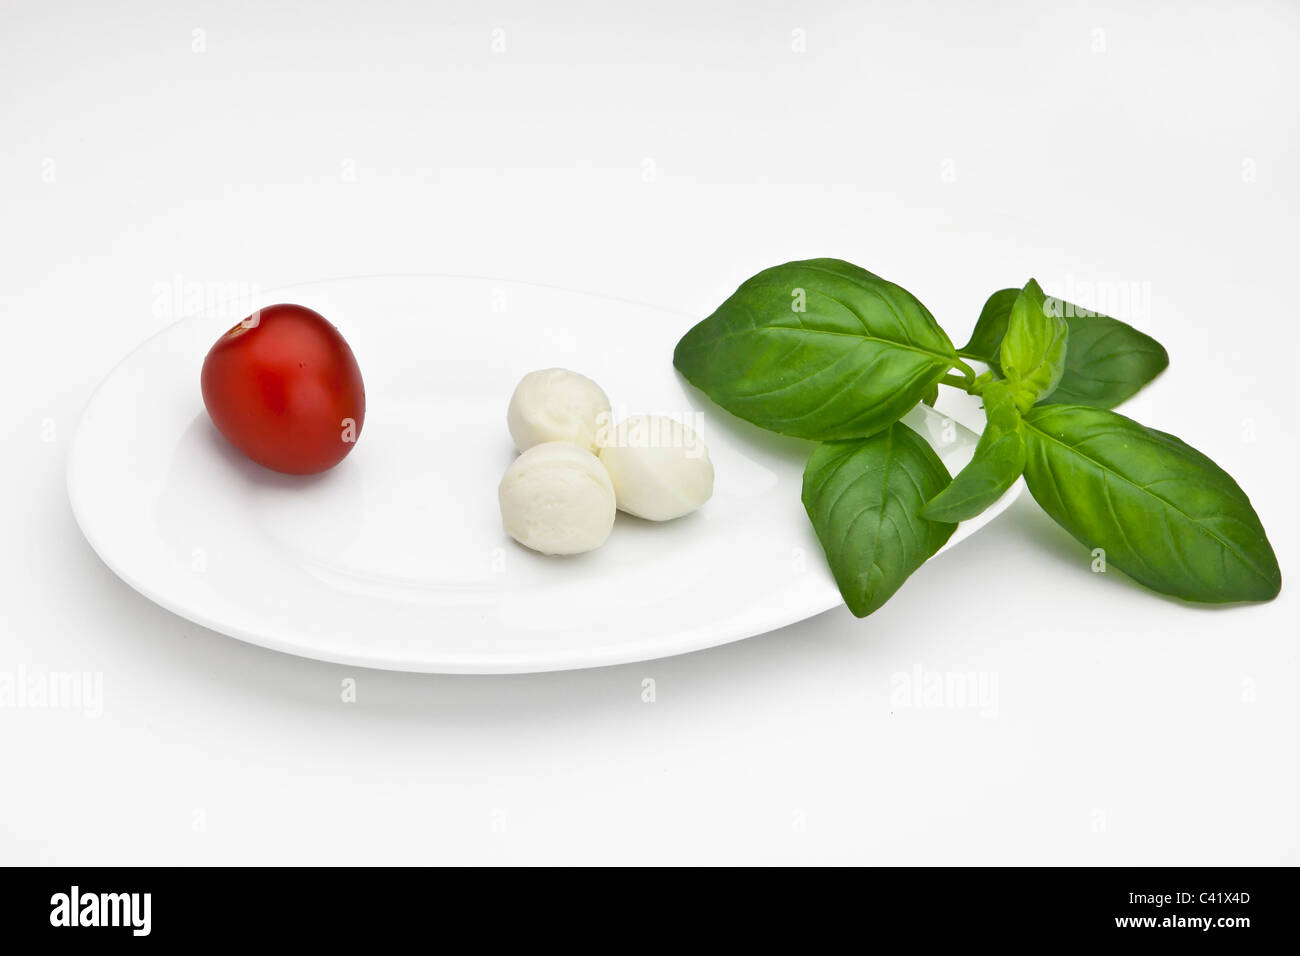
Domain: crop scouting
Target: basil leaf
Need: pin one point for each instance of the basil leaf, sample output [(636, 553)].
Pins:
[(931, 395), (1032, 354), (1164, 513), (1107, 360), (991, 327), (998, 461), (817, 349), (865, 499)]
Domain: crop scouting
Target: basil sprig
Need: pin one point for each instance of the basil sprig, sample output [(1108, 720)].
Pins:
[(824, 350)]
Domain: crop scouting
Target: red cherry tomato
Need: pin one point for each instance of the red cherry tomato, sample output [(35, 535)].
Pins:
[(285, 389)]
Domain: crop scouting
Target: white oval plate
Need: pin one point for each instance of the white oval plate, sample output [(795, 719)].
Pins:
[(396, 558)]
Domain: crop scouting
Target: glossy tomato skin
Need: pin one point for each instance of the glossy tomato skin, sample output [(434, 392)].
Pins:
[(285, 389)]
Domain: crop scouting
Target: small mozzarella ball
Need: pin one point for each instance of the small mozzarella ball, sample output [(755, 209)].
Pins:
[(554, 404), (659, 467), (557, 498)]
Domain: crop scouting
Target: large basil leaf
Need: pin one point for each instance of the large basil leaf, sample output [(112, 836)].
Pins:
[(865, 498), (1032, 354), (817, 349), (1163, 512), (998, 461), (990, 328), (1107, 360)]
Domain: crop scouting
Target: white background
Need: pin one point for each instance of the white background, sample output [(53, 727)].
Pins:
[(1136, 157)]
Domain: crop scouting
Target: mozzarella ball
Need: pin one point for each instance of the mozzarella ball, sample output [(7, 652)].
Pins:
[(557, 498), (659, 467), (554, 404)]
